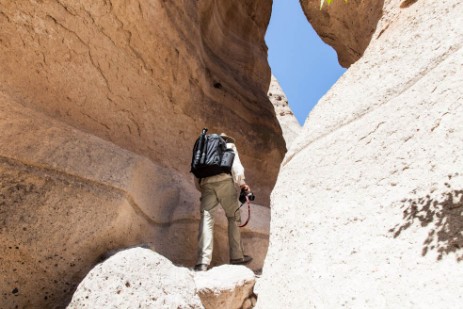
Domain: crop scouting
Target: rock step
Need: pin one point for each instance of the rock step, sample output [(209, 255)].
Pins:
[(142, 278)]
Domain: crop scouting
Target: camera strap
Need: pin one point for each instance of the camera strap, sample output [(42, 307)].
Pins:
[(249, 211)]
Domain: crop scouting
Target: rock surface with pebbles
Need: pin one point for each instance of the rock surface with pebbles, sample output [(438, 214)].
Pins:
[(137, 278), (141, 278), (288, 122)]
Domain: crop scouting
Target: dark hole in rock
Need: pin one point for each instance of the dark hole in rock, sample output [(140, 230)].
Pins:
[(407, 3)]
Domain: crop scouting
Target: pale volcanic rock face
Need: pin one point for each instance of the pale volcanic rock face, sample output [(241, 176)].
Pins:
[(288, 122), (366, 211), (137, 278), (140, 277)]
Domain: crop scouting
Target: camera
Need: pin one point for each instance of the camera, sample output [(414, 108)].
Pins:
[(243, 195)]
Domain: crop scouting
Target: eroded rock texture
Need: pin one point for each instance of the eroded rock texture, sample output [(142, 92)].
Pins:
[(367, 210), (100, 105), (137, 278), (288, 122)]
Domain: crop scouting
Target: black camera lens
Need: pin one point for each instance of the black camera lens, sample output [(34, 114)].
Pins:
[(251, 196)]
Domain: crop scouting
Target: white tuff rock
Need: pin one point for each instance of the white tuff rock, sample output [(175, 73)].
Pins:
[(226, 287), (367, 209), (288, 122), (137, 278)]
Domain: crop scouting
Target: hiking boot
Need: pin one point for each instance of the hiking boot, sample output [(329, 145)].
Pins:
[(201, 267), (244, 260)]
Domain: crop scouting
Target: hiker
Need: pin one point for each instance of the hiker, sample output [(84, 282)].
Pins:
[(221, 189)]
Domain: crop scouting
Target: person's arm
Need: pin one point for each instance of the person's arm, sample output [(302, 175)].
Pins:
[(238, 170)]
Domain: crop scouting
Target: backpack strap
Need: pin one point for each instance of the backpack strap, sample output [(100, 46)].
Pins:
[(249, 212)]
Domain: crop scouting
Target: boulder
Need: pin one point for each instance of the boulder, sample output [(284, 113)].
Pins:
[(346, 26), (68, 197), (136, 278), (375, 217), (226, 286)]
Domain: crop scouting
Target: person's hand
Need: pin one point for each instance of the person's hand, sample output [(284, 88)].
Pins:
[(246, 188)]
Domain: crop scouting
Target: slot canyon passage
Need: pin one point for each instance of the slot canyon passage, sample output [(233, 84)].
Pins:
[(102, 100)]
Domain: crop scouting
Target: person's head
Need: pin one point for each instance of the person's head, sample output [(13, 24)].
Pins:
[(227, 138)]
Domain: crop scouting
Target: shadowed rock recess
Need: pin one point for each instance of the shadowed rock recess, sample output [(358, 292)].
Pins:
[(367, 209), (100, 103)]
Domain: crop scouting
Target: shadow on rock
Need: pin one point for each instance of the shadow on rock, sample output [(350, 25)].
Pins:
[(444, 216)]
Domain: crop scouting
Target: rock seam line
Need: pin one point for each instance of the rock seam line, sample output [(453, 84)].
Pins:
[(42, 169), (60, 175)]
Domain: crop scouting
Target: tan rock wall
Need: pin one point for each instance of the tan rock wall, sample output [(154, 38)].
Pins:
[(142, 73), (68, 197), (347, 27), (376, 215), (100, 103)]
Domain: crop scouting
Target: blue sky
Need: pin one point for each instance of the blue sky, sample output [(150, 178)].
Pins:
[(305, 66)]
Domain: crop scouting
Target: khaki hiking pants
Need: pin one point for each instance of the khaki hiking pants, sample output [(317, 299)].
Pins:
[(213, 194)]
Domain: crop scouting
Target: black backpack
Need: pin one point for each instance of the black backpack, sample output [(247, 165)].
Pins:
[(211, 156)]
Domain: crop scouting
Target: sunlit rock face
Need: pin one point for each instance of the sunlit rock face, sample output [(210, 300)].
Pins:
[(288, 122), (67, 197), (148, 76), (137, 277), (366, 211), (100, 104), (348, 28)]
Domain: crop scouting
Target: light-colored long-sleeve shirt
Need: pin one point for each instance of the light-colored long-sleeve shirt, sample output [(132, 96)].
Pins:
[(237, 172)]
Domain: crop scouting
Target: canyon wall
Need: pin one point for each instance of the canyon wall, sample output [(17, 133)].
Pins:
[(100, 104), (367, 209), (289, 125), (139, 74)]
